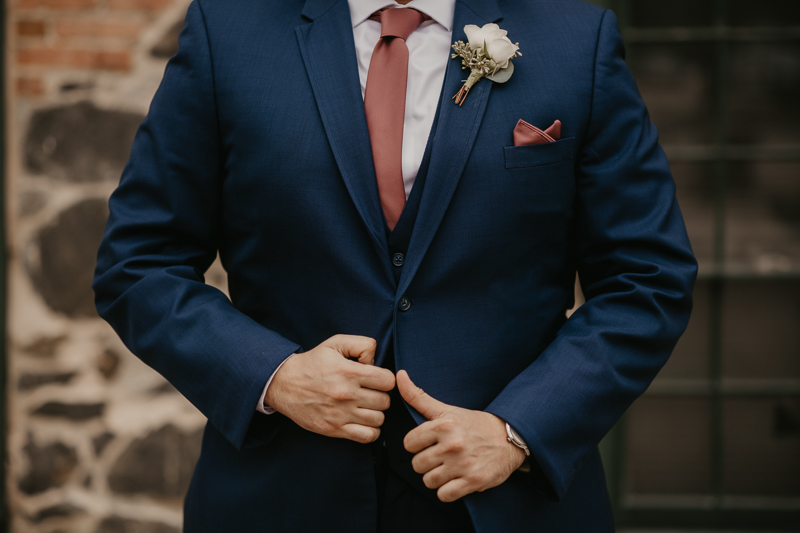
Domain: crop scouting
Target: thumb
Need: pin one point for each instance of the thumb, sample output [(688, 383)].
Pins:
[(354, 347), (417, 398)]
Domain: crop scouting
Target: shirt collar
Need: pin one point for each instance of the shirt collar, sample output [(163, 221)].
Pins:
[(440, 11)]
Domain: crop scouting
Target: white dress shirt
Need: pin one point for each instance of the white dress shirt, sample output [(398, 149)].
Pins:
[(428, 55)]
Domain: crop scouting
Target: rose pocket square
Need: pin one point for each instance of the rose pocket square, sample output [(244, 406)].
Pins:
[(526, 134)]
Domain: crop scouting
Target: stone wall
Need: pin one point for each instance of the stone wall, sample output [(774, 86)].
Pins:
[(97, 441)]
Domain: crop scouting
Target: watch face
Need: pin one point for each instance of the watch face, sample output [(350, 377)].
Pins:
[(517, 438)]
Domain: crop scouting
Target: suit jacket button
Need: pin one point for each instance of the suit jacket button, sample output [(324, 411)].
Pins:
[(398, 259), (404, 304)]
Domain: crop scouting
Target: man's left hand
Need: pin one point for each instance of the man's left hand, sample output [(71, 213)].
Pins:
[(459, 451)]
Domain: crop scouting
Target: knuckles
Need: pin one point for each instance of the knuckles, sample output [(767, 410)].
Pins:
[(341, 394), (474, 480), (323, 427), (444, 425), (453, 446), (348, 372)]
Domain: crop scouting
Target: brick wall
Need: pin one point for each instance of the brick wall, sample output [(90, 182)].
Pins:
[(97, 442)]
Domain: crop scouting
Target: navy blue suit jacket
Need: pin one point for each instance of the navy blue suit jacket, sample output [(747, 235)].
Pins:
[(256, 147)]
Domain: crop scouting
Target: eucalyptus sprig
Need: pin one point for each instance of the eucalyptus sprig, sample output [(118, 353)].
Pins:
[(474, 59)]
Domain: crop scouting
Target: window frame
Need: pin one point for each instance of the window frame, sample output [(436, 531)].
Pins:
[(717, 509)]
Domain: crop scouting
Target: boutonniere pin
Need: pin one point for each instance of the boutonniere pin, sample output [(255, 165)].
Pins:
[(488, 54)]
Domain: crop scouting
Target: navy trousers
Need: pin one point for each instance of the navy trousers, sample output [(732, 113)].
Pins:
[(403, 508)]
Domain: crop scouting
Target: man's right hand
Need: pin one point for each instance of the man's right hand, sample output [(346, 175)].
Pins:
[(323, 391)]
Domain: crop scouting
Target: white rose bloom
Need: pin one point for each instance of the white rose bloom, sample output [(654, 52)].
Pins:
[(498, 46), (501, 50), (480, 36)]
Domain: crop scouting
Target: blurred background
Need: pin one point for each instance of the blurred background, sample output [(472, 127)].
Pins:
[(96, 442)]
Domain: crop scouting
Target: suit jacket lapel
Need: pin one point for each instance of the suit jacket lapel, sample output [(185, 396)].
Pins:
[(453, 139), (328, 52)]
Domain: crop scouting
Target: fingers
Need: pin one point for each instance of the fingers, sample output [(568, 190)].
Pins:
[(427, 406), (363, 350), (438, 476), (372, 399), (454, 490), (427, 460), (376, 378), (358, 433), (358, 354), (368, 417), (419, 438), (354, 346)]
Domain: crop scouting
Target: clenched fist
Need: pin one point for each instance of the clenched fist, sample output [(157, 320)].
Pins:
[(326, 392)]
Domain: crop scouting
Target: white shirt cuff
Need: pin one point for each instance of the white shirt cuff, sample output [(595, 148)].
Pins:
[(262, 407)]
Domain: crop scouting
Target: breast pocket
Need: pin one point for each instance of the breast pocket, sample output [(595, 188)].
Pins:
[(537, 155)]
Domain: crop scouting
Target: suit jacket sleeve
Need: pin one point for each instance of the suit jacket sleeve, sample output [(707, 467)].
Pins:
[(637, 272), (161, 237)]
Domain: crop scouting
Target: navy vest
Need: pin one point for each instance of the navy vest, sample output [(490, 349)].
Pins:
[(398, 420)]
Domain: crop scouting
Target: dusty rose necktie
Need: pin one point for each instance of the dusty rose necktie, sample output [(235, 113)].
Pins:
[(385, 105)]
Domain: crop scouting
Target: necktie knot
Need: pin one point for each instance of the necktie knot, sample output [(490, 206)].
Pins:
[(399, 22)]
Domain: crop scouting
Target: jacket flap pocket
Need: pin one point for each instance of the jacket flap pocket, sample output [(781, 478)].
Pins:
[(535, 155)]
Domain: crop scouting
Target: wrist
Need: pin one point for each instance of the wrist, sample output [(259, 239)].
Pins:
[(273, 394), (270, 401), (520, 448), (518, 458)]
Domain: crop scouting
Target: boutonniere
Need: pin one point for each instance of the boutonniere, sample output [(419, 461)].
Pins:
[(488, 54)]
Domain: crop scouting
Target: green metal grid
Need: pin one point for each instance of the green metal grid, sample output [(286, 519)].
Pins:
[(717, 510)]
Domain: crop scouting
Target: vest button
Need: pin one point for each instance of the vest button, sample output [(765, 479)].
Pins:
[(398, 259), (404, 304)]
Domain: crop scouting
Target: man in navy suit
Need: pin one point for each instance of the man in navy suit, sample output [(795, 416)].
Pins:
[(265, 144)]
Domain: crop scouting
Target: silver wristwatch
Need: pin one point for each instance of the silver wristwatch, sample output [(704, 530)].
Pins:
[(516, 439)]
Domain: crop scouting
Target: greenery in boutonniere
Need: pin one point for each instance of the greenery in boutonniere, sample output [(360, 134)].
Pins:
[(488, 54)]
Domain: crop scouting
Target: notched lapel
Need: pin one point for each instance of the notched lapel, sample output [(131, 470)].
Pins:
[(328, 51), (453, 140)]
